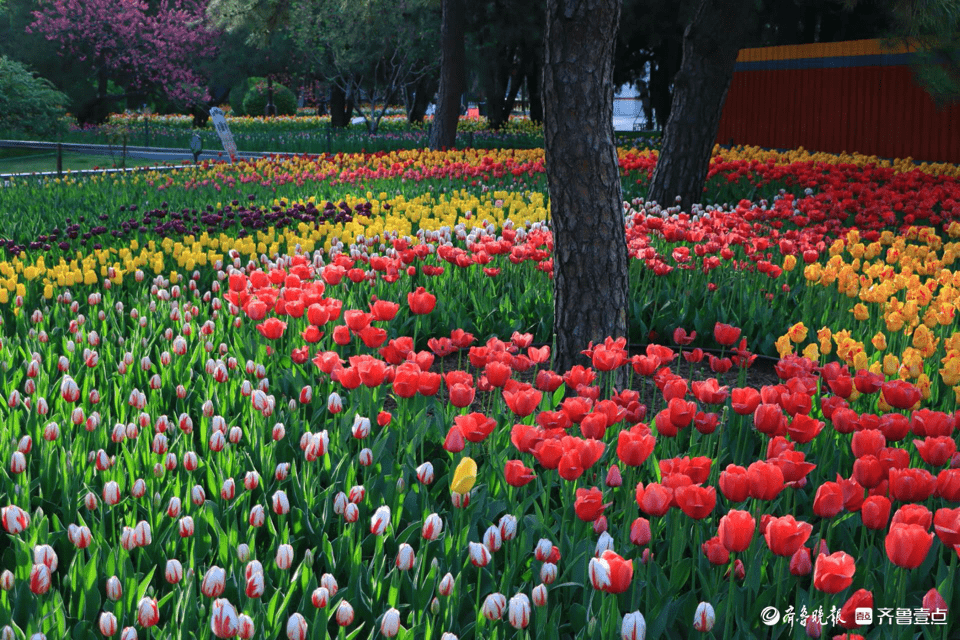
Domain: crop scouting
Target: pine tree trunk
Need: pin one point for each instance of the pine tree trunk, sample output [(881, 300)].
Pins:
[(443, 132), (586, 206), (536, 98), (339, 117), (710, 46)]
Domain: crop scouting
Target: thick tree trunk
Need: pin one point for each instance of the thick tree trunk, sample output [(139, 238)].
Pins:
[(339, 111), (424, 90), (453, 81), (533, 87), (666, 62), (586, 205), (710, 45)]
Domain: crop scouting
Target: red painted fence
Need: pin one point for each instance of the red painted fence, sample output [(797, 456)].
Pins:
[(837, 97)]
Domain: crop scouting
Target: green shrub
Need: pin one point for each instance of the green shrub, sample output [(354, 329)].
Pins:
[(237, 94), (28, 104), (256, 99)]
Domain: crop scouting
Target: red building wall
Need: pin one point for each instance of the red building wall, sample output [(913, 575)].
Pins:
[(837, 97)]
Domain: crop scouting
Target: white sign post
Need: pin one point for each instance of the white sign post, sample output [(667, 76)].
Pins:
[(220, 123)]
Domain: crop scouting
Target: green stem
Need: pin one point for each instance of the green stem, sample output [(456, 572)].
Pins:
[(729, 617)]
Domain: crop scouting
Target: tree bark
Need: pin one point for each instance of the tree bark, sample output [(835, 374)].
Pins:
[(339, 114), (453, 79), (536, 98), (586, 204), (710, 46)]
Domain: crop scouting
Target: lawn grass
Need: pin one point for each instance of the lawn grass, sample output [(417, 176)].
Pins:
[(14, 161)]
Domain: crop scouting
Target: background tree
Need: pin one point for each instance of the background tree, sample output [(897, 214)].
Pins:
[(28, 104), (505, 44), (710, 46), (932, 29), (586, 205), (453, 81), (142, 48), (371, 51)]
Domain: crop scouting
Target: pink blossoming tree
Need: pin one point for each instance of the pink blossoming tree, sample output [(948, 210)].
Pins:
[(144, 47)]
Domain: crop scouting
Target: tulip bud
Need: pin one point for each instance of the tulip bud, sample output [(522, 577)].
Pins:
[(344, 614), (255, 585), (114, 590), (704, 618), (174, 571), (243, 552), (494, 605), (281, 505), (548, 573), (107, 624), (519, 611), (543, 550), (320, 597), (435, 606), (6, 580), (539, 595), (148, 614), (390, 624), (284, 556), (432, 527), (365, 457), (351, 513), (425, 473), (508, 527), (224, 621), (445, 588), (128, 633), (296, 627), (604, 543), (257, 516), (246, 627), (405, 557), (39, 579), (328, 582), (479, 554), (213, 583), (634, 627), (380, 520)]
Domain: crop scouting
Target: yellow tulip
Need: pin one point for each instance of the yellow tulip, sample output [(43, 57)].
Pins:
[(464, 477)]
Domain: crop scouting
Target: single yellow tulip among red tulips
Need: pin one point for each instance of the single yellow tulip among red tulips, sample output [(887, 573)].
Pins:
[(464, 477)]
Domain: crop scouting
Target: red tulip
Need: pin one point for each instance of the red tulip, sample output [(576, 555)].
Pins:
[(725, 334), (786, 535), (421, 302), (634, 448), (907, 545), (517, 475), (900, 394), (803, 428), (696, 502), (589, 504), (948, 484), (272, 329), (745, 400), (620, 572), (765, 480), (475, 427), (655, 499), (875, 512), (716, 553), (913, 514), (828, 501), (734, 483), (736, 530), (860, 599), (833, 573), (523, 402), (911, 485), (800, 564), (946, 524), (936, 451)]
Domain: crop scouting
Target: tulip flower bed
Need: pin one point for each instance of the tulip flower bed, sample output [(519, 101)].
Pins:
[(246, 412), (301, 134)]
